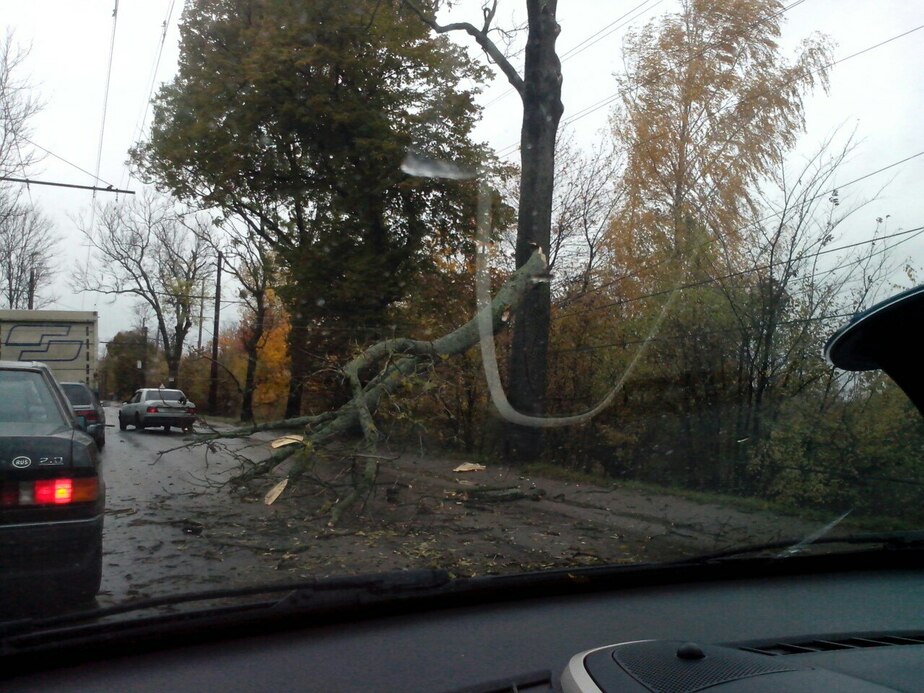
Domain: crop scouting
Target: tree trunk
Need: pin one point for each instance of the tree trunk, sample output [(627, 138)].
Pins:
[(298, 353), (251, 347), (542, 110)]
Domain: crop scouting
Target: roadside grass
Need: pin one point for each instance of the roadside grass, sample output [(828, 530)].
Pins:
[(747, 504)]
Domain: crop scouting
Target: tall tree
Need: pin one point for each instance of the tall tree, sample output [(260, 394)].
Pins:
[(539, 88), (709, 105), (295, 118), (146, 248)]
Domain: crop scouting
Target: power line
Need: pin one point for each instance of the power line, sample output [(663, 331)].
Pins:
[(69, 163), (514, 147), (139, 126), (576, 49), (773, 215), (102, 124), (696, 335), (711, 280), (95, 189)]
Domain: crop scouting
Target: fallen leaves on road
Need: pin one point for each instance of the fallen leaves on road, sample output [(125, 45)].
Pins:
[(470, 467), (287, 440), (276, 491)]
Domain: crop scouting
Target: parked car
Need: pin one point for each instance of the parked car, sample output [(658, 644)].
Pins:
[(52, 493), (86, 404), (154, 407)]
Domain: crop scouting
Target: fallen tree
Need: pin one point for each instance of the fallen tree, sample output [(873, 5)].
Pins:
[(397, 360)]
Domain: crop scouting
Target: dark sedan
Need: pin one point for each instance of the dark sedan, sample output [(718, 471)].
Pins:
[(52, 494), (86, 404)]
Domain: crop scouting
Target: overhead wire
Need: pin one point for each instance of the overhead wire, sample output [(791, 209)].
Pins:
[(768, 217), (910, 234), (102, 132), (580, 47), (513, 147), (138, 131)]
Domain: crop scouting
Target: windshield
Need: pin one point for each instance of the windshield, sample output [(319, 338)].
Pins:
[(164, 395), (78, 394), (27, 403), (559, 304)]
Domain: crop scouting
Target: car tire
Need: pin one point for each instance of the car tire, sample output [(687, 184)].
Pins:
[(122, 424), (167, 428)]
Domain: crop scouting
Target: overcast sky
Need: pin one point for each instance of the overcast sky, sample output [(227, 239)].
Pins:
[(881, 92)]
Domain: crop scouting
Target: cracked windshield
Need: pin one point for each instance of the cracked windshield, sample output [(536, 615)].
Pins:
[(296, 290)]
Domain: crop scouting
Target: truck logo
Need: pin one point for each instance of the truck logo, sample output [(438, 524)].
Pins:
[(44, 342), (21, 462)]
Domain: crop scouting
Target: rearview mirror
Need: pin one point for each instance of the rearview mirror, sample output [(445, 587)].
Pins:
[(886, 337)]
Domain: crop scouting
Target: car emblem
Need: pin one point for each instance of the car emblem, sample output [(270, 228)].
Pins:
[(21, 462)]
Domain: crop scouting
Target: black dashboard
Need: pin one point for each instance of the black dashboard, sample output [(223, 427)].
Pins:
[(850, 631)]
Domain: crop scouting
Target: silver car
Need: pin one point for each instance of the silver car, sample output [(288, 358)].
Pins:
[(158, 407)]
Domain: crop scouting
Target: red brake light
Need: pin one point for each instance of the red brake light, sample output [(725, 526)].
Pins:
[(90, 415), (190, 410), (48, 492), (53, 491), (152, 410)]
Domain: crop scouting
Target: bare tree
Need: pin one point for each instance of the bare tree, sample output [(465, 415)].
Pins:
[(148, 249), (17, 107), (26, 260), (249, 259)]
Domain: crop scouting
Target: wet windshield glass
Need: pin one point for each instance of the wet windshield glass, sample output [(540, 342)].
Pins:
[(78, 395), (25, 399), (165, 395), (360, 291)]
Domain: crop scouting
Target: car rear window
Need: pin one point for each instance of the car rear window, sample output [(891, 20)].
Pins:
[(165, 395), (78, 394), (25, 397)]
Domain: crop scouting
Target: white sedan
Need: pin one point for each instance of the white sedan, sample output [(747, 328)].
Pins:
[(157, 407)]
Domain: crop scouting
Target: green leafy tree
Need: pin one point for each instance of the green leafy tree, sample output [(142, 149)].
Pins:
[(295, 118)]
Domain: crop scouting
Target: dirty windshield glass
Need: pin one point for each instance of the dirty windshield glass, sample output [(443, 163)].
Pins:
[(484, 287)]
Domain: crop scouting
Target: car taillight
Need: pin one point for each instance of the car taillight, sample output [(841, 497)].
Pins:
[(191, 410), (152, 410), (90, 415), (48, 492)]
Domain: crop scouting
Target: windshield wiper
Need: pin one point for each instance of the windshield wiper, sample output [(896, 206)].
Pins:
[(317, 593), (886, 540)]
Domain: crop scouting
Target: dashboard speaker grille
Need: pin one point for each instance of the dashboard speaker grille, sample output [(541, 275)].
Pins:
[(775, 649), (656, 666)]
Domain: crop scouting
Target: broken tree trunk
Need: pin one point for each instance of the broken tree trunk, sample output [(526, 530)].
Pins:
[(403, 358)]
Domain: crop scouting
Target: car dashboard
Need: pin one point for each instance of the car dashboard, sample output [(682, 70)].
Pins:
[(838, 630)]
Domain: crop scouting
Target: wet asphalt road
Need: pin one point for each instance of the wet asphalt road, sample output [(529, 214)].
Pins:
[(161, 510)]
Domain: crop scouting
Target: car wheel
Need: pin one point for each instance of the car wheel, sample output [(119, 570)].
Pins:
[(122, 424), (167, 428), (138, 425)]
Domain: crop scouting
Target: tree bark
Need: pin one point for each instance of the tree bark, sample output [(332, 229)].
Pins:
[(542, 110)]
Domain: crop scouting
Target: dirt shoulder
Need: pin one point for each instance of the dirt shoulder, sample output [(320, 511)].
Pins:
[(422, 513)]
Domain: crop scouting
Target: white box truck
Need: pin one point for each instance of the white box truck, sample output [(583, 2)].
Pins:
[(65, 340)]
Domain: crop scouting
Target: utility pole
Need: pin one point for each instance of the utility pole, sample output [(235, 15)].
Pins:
[(213, 377), (31, 295), (144, 352), (201, 311)]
